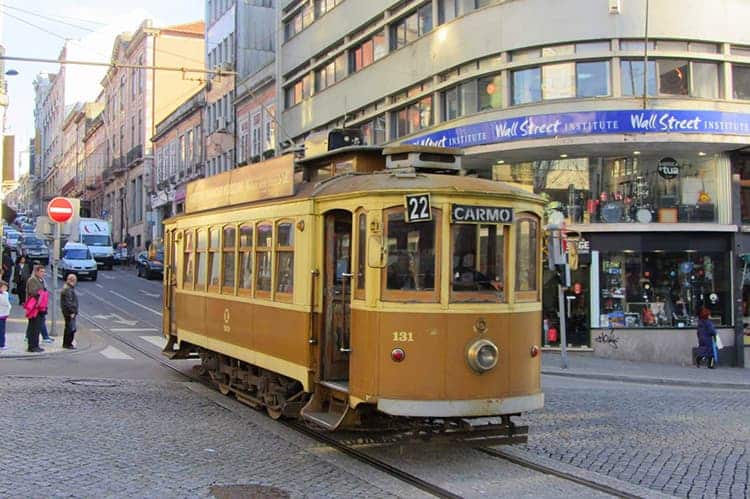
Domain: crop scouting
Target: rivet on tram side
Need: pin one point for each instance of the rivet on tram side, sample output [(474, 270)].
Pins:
[(480, 326)]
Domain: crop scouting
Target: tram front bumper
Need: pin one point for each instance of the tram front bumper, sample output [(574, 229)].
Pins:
[(461, 408)]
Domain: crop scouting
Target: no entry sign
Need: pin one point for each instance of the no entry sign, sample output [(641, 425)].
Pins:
[(60, 210)]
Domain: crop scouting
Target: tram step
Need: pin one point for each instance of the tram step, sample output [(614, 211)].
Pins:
[(326, 408)]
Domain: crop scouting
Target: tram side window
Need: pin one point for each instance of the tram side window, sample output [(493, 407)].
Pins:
[(527, 241), (263, 247), (285, 257), (200, 258), (214, 257), (478, 262), (411, 254), (229, 258), (246, 257), (187, 275), (361, 245)]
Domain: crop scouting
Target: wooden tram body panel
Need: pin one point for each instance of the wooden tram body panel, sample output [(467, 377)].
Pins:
[(279, 333)]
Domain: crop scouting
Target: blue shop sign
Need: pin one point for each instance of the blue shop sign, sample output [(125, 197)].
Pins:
[(591, 123)]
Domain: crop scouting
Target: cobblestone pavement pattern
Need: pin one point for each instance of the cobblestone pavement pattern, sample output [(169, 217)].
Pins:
[(146, 439), (687, 442)]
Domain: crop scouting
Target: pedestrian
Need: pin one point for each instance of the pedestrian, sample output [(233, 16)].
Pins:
[(69, 305), (36, 307), (21, 274), (706, 335), (4, 312), (7, 263)]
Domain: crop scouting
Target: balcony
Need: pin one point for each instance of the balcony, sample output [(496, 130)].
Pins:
[(135, 154), (118, 166), (108, 176)]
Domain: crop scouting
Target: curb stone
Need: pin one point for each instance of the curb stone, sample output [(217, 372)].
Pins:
[(648, 380)]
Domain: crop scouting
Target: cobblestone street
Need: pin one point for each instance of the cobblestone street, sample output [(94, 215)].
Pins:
[(146, 439), (688, 442)]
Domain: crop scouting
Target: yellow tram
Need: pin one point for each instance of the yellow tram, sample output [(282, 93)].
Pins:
[(359, 285)]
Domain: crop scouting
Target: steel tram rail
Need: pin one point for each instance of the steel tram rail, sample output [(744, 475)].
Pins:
[(295, 425)]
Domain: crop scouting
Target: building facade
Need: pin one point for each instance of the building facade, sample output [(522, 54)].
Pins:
[(94, 162), (634, 136), (178, 152), (135, 100), (221, 53)]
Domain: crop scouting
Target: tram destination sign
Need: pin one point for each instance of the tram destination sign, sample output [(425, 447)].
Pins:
[(465, 214)]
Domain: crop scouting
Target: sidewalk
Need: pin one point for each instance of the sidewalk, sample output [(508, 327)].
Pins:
[(588, 366), (15, 336)]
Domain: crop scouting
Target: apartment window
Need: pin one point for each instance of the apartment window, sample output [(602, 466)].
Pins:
[(246, 257), (373, 131), (631, 77), (592, 79), (341, 66), (741, 51), (198, 145), (367, 52), (256, 131), (141, 74), (408, 29), (490, 93), (182, 149), (671, 46), (636, 46), (451, 9), (325, 77), (673, 76), (558, 81), (705, 48), (705, 81), (527, 86), (285, 257), (244, 140), (270, 130), (323, 6), (741, 82), (592, 47), (461, 100), (412, 118), (189, 151), (134, 82), (132, 132)]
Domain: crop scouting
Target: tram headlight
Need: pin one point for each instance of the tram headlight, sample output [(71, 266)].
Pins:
[(482, 355)]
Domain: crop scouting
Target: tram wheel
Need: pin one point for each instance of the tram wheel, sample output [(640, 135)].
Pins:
[(224, 389), (274, 412)]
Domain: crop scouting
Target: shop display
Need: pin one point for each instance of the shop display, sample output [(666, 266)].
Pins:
[(658, 289)]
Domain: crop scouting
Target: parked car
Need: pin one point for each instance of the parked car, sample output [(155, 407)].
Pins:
[(76, 259), (150, 267), (34, 249), (12, 238)]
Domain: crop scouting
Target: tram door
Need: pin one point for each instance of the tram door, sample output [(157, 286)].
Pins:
[(170, 279), (337, 296)]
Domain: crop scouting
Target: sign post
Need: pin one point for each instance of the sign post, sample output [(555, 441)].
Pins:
[(557, 261), (59, 210)]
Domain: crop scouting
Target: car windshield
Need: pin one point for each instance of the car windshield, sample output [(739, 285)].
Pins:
[(32, 241), (78, 254), (98, 240)]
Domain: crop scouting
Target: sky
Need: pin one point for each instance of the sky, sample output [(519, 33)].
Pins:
[(90, 24)]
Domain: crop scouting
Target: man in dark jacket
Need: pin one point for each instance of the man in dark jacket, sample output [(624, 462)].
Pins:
[(69, 305)]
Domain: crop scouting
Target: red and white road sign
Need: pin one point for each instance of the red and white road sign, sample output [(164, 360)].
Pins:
[(60, 210)]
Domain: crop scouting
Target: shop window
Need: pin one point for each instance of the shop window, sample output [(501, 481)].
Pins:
[(663, 289), (359, 286), (741, 82), (411, 272), (592, 79), (631, 77), (201, 258), (188, 261), (527, 86), (285, 258), (558, 81), (478, 263), (246, 258), (637, 189), (229, 258), (527, 265), (673, 76), (263, 246), (705, 80)]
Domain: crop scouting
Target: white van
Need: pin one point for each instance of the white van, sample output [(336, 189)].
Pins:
[(95, 234), (76, 259)]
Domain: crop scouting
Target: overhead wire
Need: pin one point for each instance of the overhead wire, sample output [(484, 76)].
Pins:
[(35, 26), (90, 21), (52, 19)]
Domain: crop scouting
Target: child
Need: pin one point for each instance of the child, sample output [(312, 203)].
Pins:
[(4, 312)]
